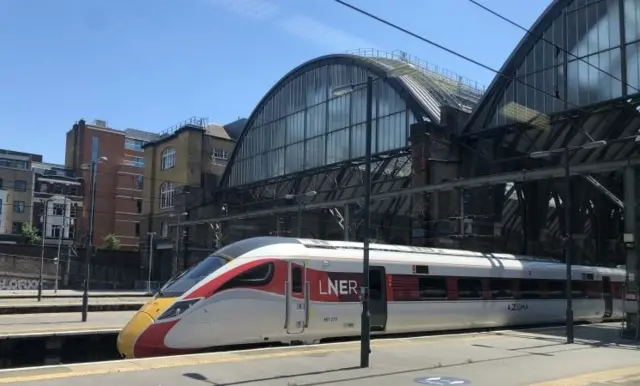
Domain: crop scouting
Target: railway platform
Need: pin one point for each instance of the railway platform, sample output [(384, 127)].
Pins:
[(61, 294), (42, 325), (512, 357), (19, 305)]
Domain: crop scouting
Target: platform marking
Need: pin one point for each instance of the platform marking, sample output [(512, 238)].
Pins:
[(42, 373), (590, 378)]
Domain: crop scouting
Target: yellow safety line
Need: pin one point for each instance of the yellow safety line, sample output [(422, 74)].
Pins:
[(590, 378), (78, 370)]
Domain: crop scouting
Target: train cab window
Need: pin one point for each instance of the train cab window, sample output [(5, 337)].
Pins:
[(556, 289), (501, 288), (296, 280), (469, 288), (432, 288), (578, 289), (187, 279), (530, 289), (255, 276)]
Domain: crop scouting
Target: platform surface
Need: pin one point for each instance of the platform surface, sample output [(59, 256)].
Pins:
[(71, 293), (533, 357), (14, 326)]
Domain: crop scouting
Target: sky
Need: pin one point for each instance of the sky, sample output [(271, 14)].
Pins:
[(150, 64)]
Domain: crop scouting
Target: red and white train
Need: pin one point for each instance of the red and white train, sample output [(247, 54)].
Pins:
[(275, 289)]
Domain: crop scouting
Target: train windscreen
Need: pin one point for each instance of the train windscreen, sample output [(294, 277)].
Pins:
[(187, 279)]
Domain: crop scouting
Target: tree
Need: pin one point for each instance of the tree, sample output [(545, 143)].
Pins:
[(30, 234), (111, 241)]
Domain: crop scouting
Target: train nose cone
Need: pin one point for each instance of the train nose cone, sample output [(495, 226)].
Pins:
[(130, 333)]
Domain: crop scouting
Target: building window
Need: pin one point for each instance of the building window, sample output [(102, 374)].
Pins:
[(139, 205), (56, 231), (136, 162), (44, 187), (18, 206), (221, 154), (168, 158), (16, 228), (133, 144), (95, 148), (20, 185), (139, 182), (0, 183), (164, 229), (72, 232), (57, 189), (73, 210), (73, 191), (14, 164), (58, 209), (166, 195), (137, 229)]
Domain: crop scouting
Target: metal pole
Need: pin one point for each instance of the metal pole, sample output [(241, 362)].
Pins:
[(64, 218), (44, 235), (299, 217), (365, 343), (462, 234), (87, 262), (174, 269), (346, 222), (150, 260), (568, 245)]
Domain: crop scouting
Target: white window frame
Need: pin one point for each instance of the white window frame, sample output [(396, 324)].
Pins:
[(222, 154), (164, 229), (56, 229), (168, 158), (167, 195), (59, 209)]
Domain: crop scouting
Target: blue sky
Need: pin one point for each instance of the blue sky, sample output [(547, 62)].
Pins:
[(149, 64)]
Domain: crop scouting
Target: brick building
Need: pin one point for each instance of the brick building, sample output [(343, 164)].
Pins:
[(119, 180)]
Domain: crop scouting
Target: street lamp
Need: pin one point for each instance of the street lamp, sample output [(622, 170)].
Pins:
[(310, 193), (44, 236), (151, 234), (87, 272), (568, 238), (174, 269), (365, 324)]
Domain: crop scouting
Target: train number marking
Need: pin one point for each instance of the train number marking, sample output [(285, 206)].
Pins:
[(518, 307), (330, 319), (339, 287)]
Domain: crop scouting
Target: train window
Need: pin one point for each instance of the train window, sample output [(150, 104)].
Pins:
[(421, 269), (530, 289), (255, 276), (556, 289), (578, 289), (469, 288), (432, 288), (296, 279), (501, 288), (187, 279)]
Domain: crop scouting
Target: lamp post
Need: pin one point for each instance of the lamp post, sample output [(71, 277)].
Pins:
[(365, 328), (174, 269), (60, 235), (310, 193), (568, 238), (87, 271), (44, 236), (151, 234)]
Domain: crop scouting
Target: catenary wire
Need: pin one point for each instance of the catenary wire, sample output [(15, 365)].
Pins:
[(541, 37), (453, 52)]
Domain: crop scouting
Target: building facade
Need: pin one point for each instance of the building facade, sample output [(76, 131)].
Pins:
[(16, 190), (57, 202), (180, 170), (119, 178)]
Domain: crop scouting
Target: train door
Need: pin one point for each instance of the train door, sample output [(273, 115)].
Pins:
[(608, 296), (378, 298), (297, 298)]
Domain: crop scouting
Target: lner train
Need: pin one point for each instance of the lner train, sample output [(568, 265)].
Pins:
[(274, 289)]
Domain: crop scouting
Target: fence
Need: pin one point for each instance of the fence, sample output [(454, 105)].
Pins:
[(23, 273)]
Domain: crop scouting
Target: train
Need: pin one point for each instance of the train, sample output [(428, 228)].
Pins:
[(293, 290)]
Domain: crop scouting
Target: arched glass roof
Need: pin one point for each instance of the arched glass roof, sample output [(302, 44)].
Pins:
[(602, 63), (300, 125)]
